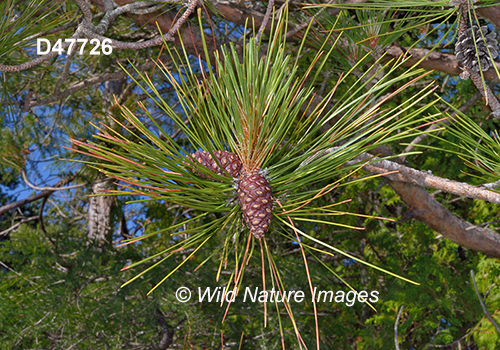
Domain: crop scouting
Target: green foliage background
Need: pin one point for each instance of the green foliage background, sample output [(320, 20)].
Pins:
[(58, 292)]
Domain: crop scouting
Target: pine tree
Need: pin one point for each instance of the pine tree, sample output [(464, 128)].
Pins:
[(207, 141), (249, 111)]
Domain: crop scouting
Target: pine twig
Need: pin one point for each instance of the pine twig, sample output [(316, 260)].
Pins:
[(485, 310), (270, 6), (190, 8), (48, 188), (36, 61), (431, 212), (398, 172), (396, 343), (425, 179), (45, 193), (95, 32), (13, 227)]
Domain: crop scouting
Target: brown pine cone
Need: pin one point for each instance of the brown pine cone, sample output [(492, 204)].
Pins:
[(229, 162), (255, 196)]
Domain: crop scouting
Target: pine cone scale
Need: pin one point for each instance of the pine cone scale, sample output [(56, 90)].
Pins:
[(254, 191), (230, 163), (255, 198), (481, 38)]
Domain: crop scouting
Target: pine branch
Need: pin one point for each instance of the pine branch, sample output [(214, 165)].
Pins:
[(13, 227), (441, 220), (86, 28), (425, 179), (57, 187), (36, 61), (81, 85)]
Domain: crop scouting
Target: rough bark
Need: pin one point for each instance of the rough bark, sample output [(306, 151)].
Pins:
[(420, 178), (441, 220), (100, 207), (190, 36)]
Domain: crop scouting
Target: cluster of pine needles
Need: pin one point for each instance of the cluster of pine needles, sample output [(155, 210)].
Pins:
[(250, 107)]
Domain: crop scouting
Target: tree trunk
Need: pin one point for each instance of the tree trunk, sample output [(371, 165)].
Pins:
[(100, 208)]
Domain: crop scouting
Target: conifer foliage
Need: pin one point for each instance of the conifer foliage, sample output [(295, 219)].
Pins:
[(254, 159)]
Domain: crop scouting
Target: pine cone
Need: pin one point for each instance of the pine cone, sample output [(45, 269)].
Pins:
[(255, 196), (229, 162), (465, 50)]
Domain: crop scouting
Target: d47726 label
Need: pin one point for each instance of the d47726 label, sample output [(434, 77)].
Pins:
[(44, 47)]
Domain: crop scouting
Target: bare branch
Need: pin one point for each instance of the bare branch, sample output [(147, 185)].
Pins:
[(270, 6), (88, 29), (191, 6), (398, 172), (485, 310), (13, 227), (131, 7), (126, 45), (85, 8), (396, 343), (110, 16), (408, 183), (43, 194), (425, 179), (48, 188), (441, 220)]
